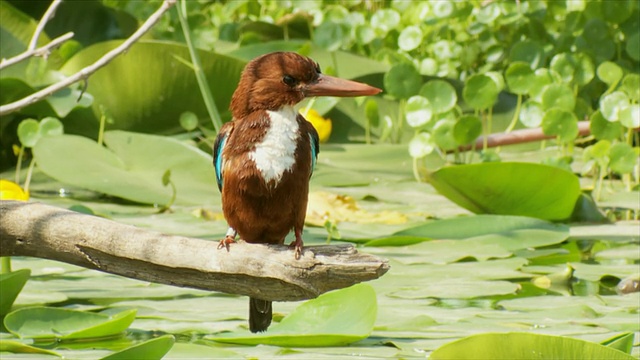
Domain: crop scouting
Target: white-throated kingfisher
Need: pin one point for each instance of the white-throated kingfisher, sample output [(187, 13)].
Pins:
[(264, 157)]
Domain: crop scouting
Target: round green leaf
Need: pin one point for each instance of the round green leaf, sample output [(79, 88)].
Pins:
[(543, 78), (630, 116), (610, 73), (527, 51), (467, 129), (531, 114), (633, 46), (631, 86), (428, 66), (441, 95), (603, 129), (509, 188), (519, 77), (488, 13), (443, 134), (585, 70), (525, 346), (421, 145), (51, 126), (328, 36), (622, 158), (598, 150), (418, 111), (497, 78), (188, 120), (558, 96), (612, 103), (480, 91), (561, 123), (402, 81), (442, 9), (565, 65), (410, 38), (29, 132), (365, 34), (385, 20)]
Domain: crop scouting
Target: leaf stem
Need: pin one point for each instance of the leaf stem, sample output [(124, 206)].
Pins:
[(19, 163), (205, 90), (516, 115), (27, 181)]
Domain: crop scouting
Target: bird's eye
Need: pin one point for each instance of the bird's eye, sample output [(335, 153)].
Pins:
[(289, 80)]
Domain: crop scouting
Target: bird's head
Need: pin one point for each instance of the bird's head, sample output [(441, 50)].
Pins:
[(279, 79)]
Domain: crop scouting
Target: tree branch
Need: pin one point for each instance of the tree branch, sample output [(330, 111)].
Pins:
[(520, 136), (43, 22), (85, 72), (268, 272), (39, 51)]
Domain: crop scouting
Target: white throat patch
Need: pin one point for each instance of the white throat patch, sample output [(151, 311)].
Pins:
[(275, 154)]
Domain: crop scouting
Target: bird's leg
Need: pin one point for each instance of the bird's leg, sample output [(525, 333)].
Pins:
[(297, 243), (228, 239)]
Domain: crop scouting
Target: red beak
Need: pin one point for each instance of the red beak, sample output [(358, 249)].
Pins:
[(332, 86)]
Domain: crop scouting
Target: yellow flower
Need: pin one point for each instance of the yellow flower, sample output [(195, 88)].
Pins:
[(322, 125), (12, 191)]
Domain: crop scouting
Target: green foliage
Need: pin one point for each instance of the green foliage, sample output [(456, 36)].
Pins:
[(333, 319), (64, 324), (510, 189), (524, 346), (11, 284), (151, 349)]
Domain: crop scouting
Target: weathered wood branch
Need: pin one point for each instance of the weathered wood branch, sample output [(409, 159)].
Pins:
[(269, 272)]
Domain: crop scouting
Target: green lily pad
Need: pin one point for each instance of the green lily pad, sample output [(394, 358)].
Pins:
[(561, 123), (559, 96), (57, 323), (17, 347), (131, 168), (336, 318), (463, 289), (151, 349), (467, 129), (525, 346), (410, 38), (531, 114), (10, 286), (524, 189)]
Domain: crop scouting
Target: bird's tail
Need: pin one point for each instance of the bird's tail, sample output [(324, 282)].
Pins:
[(260, 314)]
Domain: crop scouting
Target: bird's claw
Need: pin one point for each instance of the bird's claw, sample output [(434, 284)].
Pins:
[(224, 243), (297, 248)]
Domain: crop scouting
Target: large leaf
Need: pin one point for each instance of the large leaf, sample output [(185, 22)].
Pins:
[(148, 350), (333, 319), (57, 323), (148, 88), (132, 167), (17, 347), (524, 189), (515, 346), (10, 286)]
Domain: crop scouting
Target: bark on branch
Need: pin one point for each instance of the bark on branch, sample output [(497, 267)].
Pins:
[(268, 272)]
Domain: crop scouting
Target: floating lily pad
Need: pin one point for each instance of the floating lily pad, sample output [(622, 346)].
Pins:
[(16, 347), (131, 168), (150, 349), (333, 319), (525, 346), (524, 189), (58, 323)]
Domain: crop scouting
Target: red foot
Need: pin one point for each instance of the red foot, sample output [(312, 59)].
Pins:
[(224, 243), (297, 244)]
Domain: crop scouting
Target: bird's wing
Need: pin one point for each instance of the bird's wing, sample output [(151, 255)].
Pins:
[(218, 147), (315, 146)]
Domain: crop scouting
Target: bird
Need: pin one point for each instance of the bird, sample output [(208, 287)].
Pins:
[(264, 156)]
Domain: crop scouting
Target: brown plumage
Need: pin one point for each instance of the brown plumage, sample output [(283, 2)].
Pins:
[(265, 155)]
